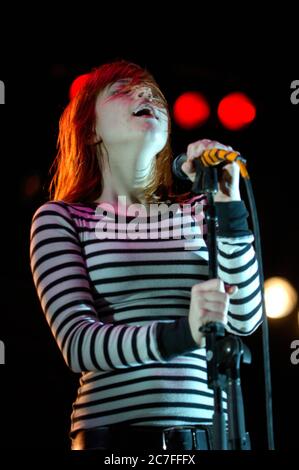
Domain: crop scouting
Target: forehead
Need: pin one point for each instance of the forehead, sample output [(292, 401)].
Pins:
[(119, 83), (128, 83), (124, 82)]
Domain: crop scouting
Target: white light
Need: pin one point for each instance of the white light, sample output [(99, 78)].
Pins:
[(280, 297)]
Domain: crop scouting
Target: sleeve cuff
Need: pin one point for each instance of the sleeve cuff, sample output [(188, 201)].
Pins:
[(232, 219), (175, 338)]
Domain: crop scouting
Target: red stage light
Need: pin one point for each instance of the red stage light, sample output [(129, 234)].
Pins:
[(190, 110), (77, 85), (236, 110)]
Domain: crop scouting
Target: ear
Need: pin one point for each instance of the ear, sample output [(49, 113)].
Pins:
[(97, 139), (94, 139)]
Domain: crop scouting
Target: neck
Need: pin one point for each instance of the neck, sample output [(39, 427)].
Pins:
[(114, 187), (127, 177)]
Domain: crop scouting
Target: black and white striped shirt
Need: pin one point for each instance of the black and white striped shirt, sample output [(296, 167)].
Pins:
[(118, 306)]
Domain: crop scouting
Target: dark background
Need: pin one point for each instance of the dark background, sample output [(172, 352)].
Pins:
[(37, 389)]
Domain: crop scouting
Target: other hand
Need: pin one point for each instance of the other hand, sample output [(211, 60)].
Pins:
[(209, 303)]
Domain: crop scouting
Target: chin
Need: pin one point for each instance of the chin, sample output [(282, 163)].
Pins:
[(157, 141)]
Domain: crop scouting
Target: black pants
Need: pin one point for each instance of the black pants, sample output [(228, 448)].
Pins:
[(143, 439)]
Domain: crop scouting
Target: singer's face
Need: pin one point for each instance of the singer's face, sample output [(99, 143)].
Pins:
[(127, 114)]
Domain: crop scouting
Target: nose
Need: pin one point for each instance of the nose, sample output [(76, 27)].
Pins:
[(145, 92)]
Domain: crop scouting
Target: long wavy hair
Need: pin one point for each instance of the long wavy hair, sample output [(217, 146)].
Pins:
[(77, 168)]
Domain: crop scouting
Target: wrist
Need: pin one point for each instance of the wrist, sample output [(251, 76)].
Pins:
[(175, 338), (232, 219), (220, 197)]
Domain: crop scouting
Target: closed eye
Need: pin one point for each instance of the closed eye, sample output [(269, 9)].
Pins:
[(120, 87), (120, 91)]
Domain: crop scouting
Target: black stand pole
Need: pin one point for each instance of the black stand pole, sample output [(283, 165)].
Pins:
[(233, 350), (224, 353)]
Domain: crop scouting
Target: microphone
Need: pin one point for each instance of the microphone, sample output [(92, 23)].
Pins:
[(209, 157), (177, 167)]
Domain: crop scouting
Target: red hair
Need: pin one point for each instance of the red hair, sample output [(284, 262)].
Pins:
[(77, 168)]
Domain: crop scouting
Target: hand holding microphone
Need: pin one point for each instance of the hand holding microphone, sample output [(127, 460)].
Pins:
[(228, 189)]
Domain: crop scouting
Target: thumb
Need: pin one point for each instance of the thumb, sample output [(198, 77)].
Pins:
[(188, 167)]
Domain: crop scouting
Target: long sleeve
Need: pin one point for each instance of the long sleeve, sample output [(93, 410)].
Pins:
[(238, 266), (63, 287)]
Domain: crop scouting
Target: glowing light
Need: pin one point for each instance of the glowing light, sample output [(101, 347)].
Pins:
[(77, 85), (280, 297), (190, 110), (236, 111)]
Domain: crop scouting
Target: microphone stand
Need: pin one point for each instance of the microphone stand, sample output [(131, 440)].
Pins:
[(224, 353)]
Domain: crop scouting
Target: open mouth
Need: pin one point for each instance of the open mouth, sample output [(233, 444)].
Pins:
[(145, 111)]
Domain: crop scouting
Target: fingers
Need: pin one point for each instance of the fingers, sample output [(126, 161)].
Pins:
[(211, 284), (209, 303), (207, 316), (213, 305), (211, 298), (195, 149), (215, 285)]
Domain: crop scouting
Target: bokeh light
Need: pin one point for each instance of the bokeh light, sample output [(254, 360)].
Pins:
[(280, 297), (236, 111), (191, 110)]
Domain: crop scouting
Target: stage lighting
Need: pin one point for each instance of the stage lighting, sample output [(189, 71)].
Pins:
[(191, 110), (280, 297), (236, 111)]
